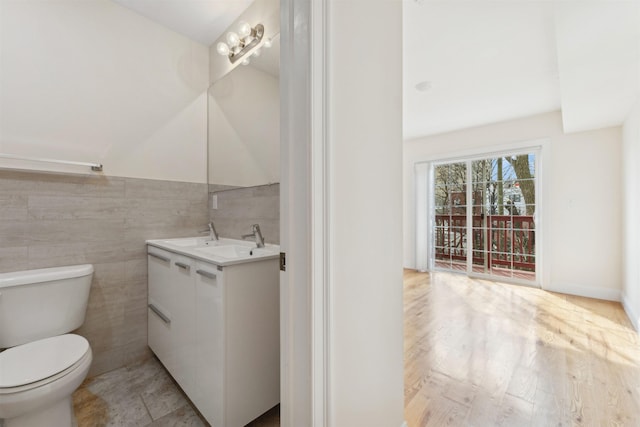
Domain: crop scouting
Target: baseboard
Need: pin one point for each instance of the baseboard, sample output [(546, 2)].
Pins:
[(585, 291), (633, 316)]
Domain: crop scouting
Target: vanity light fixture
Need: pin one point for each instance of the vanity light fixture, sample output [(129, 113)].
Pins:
[(243, 42)]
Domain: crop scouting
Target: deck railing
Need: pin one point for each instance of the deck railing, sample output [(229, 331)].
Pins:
[(503, 241)]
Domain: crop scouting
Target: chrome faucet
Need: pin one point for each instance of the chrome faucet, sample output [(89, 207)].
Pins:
[(213, 234), (256, 234)]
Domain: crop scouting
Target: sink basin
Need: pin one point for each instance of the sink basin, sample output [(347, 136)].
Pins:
[(221, 252), (227, 251), (183, 243), (193, 242), (234, 251)]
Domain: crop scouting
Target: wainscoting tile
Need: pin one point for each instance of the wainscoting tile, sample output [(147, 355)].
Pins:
[(13, 259), (52, 255), (249, 207), (75, 231), (104, 324), (105, 360), (52, 184), (136, 352), (153, 189), (65, 208), (51, 220), (13, 233), (13, 207), (239, 208)]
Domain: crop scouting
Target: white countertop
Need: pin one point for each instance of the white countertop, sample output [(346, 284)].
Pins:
[(222, 252)]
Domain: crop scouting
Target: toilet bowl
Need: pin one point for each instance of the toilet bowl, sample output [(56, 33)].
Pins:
[(42, 365), (38, 378)]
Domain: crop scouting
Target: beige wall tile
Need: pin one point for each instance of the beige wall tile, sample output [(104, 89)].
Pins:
[(239, 208), (13, 258), (51, 184), (52, 255), (74, 231), (50, 220), (13, 233), (153, 189), (13, 207), (77, 207)]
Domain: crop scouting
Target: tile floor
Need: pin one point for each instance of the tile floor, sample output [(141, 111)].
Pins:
[(142, 395)]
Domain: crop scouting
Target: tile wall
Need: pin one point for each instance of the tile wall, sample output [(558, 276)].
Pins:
[(49, 220), (239, 208)]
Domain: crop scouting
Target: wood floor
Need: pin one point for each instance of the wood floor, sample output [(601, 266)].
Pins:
[(479, 353)]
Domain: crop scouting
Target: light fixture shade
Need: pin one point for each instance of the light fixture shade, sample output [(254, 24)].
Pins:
[(244, 30), (268, 43), (233, 39), (223, 48)]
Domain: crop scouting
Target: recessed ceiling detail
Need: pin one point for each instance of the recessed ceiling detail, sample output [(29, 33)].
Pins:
[(497, 61)]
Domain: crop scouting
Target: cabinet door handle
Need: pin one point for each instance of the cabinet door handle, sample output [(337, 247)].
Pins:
[(160, 314), (182, 265), (206, 274), (160, 257)]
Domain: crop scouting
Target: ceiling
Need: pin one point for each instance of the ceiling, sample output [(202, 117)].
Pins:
[(200, 20), (485, 61), (204, 21)]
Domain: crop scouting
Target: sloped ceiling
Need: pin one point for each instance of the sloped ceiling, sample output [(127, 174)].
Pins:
[(489, 61), (200, 20), (485, 61)]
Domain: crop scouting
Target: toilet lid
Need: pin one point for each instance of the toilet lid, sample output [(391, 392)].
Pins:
[(37, 360)]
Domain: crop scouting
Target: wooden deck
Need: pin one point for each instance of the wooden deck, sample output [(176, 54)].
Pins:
[(480, 353)]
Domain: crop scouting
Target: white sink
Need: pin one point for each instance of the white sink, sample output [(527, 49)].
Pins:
[(186, 242), (235, 251), (227, 251), (221, 252)]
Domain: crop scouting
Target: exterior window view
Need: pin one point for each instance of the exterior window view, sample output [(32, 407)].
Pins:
[(495, 233)]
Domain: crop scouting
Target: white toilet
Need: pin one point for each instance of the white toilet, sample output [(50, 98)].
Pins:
[(42, 364)]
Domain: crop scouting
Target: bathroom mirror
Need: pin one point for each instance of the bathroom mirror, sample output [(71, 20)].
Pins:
[(244, 123)]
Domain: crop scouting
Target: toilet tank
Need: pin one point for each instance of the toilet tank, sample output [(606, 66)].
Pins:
[(42, 303)]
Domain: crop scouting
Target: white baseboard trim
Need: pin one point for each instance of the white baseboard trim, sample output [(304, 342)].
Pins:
[(585, 291), (633, 316)]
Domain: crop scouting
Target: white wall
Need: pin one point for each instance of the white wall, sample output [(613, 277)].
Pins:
[(94, 81), (365, 156), (631, 203), (583, 253), (244, 129)]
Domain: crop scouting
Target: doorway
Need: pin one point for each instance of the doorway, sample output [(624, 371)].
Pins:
[(482, 216)]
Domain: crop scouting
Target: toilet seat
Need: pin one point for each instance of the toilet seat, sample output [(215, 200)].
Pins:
[(40, 362)]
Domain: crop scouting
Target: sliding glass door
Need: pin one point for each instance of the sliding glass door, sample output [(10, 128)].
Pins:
[(483, 216)]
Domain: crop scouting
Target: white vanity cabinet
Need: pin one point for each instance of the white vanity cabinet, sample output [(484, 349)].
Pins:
[(171, 323), (221, 341)]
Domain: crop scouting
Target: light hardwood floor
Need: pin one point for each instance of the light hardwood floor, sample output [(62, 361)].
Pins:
[(479, 353)]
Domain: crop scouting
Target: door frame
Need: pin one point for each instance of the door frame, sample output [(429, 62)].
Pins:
[(423, 178), (304, 214)]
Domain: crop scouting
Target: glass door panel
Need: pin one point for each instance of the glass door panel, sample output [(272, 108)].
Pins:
[(503, 223), (450, 228), (496, 210)]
